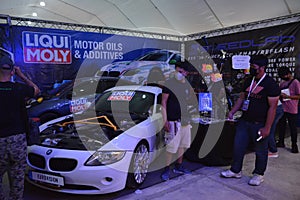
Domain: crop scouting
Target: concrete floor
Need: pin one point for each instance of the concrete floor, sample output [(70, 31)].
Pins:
[(282, 181)]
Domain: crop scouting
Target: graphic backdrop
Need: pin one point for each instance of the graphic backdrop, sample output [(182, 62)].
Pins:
[(280, 44), (52, 55)]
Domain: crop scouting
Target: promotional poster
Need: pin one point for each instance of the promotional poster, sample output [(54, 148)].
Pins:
[(49, 56)]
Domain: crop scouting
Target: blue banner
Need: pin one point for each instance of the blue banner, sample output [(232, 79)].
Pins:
[(52, 55)]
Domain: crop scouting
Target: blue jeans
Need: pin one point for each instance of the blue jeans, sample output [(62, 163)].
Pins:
[(246, 132), (272, 142)]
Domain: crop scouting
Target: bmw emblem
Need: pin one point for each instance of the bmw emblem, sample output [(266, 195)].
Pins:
[(48, 152)]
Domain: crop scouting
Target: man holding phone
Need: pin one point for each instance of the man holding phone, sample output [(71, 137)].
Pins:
[(258, 101)]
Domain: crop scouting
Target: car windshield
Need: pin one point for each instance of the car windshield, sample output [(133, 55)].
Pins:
[(85, 88), (156, 56), (137, 102), (142, 69)]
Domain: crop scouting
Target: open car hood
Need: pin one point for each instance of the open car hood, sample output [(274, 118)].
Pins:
[(85, 134)]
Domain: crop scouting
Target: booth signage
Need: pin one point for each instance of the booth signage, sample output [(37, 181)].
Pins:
[(46, 48)]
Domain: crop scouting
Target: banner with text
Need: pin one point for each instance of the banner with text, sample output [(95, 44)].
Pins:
[(52, 55), (279, 43)]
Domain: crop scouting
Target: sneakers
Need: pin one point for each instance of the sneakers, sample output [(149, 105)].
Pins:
[(295, 148), (230, 174), (179, 169), (273, 155), (256, 180), (166, 174)]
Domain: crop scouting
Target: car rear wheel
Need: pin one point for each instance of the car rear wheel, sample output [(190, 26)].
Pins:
[(139, 166)]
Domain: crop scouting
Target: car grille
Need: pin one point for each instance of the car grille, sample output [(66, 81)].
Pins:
[(62, 164), (111, 73), (37, 160)]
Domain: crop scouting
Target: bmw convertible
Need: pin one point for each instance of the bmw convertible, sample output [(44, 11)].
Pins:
[(102, 150)]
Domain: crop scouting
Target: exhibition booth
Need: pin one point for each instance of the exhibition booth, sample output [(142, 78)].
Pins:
[(53, 56)]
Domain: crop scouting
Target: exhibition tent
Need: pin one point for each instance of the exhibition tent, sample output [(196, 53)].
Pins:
[(160, 16)]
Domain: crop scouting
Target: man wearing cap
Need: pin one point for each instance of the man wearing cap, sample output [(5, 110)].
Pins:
[(13, 145), (175, 94), (258, 101)]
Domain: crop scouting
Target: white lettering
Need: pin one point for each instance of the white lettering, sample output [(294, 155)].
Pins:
[(47, 55), (45, 41), (30, 55), (27, 40)]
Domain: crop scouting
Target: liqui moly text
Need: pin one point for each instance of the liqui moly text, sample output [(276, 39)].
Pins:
[(46, 48)]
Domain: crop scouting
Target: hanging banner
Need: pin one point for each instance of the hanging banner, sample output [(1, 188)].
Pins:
[(280, 44), (52, 55)]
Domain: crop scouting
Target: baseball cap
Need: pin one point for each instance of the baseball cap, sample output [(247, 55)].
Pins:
[(6, 60), (259, 60)]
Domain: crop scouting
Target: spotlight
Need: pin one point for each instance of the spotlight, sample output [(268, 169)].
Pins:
[(34, 14), (42, 3)]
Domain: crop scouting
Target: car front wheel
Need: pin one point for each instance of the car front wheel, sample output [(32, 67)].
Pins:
[(139, 166)]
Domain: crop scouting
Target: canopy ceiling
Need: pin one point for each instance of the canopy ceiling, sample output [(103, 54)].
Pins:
[(180, 17)]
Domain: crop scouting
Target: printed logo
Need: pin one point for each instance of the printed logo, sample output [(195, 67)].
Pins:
[(46, 48), (121, 96), (78, 105), (48, 152)]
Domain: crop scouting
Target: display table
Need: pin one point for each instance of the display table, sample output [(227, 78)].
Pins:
[(221, 153)]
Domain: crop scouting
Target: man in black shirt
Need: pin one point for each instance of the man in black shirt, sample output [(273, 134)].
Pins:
[(258, 101), (13, 146), (175, 94)]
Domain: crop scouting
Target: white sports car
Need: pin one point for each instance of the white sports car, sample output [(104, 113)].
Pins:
[(163, 59), (103, 149)]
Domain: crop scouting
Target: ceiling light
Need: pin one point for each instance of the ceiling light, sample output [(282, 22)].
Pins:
[(42, 3), (34, 14)]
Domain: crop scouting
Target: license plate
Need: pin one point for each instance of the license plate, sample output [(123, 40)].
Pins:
[(46, 178)]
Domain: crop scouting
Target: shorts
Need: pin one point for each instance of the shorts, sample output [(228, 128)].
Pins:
[(179, 136)]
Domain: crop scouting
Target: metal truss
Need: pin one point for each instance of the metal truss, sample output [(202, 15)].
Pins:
[(18, 21), (245, 27)]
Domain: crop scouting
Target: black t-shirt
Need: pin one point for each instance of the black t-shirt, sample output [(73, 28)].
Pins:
[(12, 107), (177, 102), (258, 105)]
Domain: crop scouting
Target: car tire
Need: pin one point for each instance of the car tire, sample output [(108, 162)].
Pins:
[(47, 117), (139, 166)]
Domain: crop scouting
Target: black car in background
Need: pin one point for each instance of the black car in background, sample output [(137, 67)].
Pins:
[(75, 96)]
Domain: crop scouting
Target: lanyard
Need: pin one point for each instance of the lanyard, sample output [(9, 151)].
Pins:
[(250, 89)]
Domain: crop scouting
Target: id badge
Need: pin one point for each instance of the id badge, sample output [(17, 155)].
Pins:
[(245, 105)]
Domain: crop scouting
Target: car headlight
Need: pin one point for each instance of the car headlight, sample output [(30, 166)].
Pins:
[(104, 158)]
